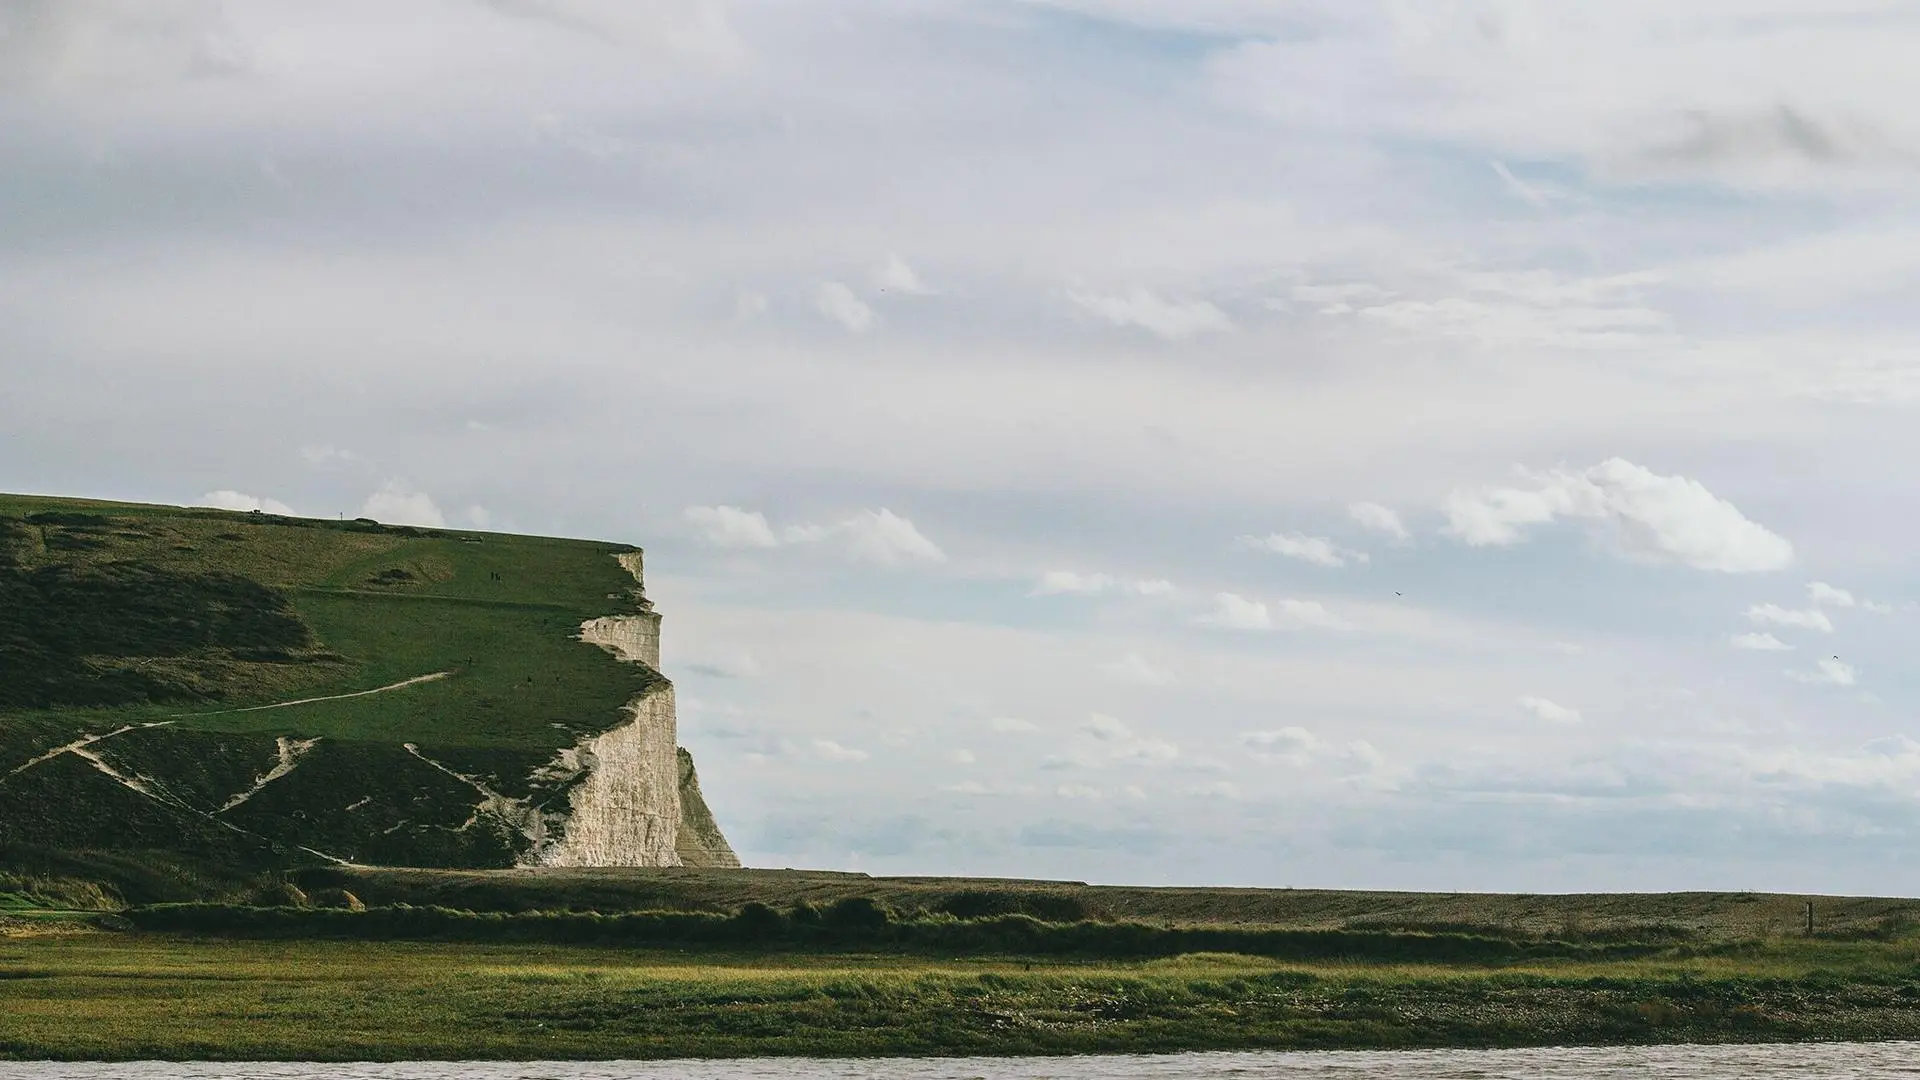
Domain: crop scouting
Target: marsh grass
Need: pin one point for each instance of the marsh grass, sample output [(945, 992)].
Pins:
[(116, 996)]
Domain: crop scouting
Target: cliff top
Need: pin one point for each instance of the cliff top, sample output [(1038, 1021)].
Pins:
[(135, 614)]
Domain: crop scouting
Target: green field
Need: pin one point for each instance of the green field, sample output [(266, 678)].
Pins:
[(116, 996), (674, 962)]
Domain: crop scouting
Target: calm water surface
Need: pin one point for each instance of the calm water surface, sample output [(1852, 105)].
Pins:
[(1826, 1061)]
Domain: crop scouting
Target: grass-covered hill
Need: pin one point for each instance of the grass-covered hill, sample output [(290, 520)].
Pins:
[(262, 689)]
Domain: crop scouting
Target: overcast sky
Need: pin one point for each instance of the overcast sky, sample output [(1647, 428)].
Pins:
[(1440, 444)]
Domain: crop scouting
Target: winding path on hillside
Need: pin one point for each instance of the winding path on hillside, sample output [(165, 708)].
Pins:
[(79, 746), (401, 685)]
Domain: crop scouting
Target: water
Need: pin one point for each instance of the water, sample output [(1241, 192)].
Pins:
[(1818, 1061)]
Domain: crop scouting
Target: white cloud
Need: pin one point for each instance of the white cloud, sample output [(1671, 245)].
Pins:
[(1217, 789), (839, 303), (1134, 668), (1170, 320), (1534, 308), (737, 665), (1760, 643), (896, 276), (1317, 550), (749, 305), (116, 45), (1235, 612), (1890, 763), (833, 751), (1286, 741), (1309, 613), (1784, 94), (1649, 516), (1121, 743), (1527, 192), (968, 787), (1377, 518), (1232, 611), (962, 757), (234, 500), (1550, 711), (732, 527), (1775, 615), (1069, 582), (678, 30), (1077, 791), (400, 505), (326, 455), (1297, 747), (1073, 583), (879, 536), (1012, 725), (1828, 672), (1819, 593)]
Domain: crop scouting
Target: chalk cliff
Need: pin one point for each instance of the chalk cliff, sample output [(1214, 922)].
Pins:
[(638, 801)]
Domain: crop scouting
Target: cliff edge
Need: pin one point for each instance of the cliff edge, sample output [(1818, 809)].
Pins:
[(265, 690), (638, 801)]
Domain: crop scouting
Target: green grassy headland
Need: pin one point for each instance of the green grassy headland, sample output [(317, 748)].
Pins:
[(161, 631), (148, 613)]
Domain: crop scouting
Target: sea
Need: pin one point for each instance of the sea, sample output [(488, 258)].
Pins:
[(1803, 1061)]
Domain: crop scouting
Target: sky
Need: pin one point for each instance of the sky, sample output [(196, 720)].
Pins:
[(1461, 444)]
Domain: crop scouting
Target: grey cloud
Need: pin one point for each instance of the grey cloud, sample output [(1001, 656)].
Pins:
[(1733, 139)]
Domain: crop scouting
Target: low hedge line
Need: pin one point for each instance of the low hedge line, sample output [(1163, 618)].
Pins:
[(854, 925)]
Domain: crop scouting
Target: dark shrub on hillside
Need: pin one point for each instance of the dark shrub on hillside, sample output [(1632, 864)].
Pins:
[(278, 894), (1005, 935), (57, 621), (857, 913), (982, 903), (758, 922)]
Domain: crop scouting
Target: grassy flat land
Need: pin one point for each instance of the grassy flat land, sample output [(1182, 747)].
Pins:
[(1696, 916), (133, 613), (552, 964), (113, 996)]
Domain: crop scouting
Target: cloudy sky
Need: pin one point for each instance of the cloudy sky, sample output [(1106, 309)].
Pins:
[(1441, 444)]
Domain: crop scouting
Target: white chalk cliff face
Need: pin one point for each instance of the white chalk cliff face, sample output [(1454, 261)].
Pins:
[(627, 809)]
